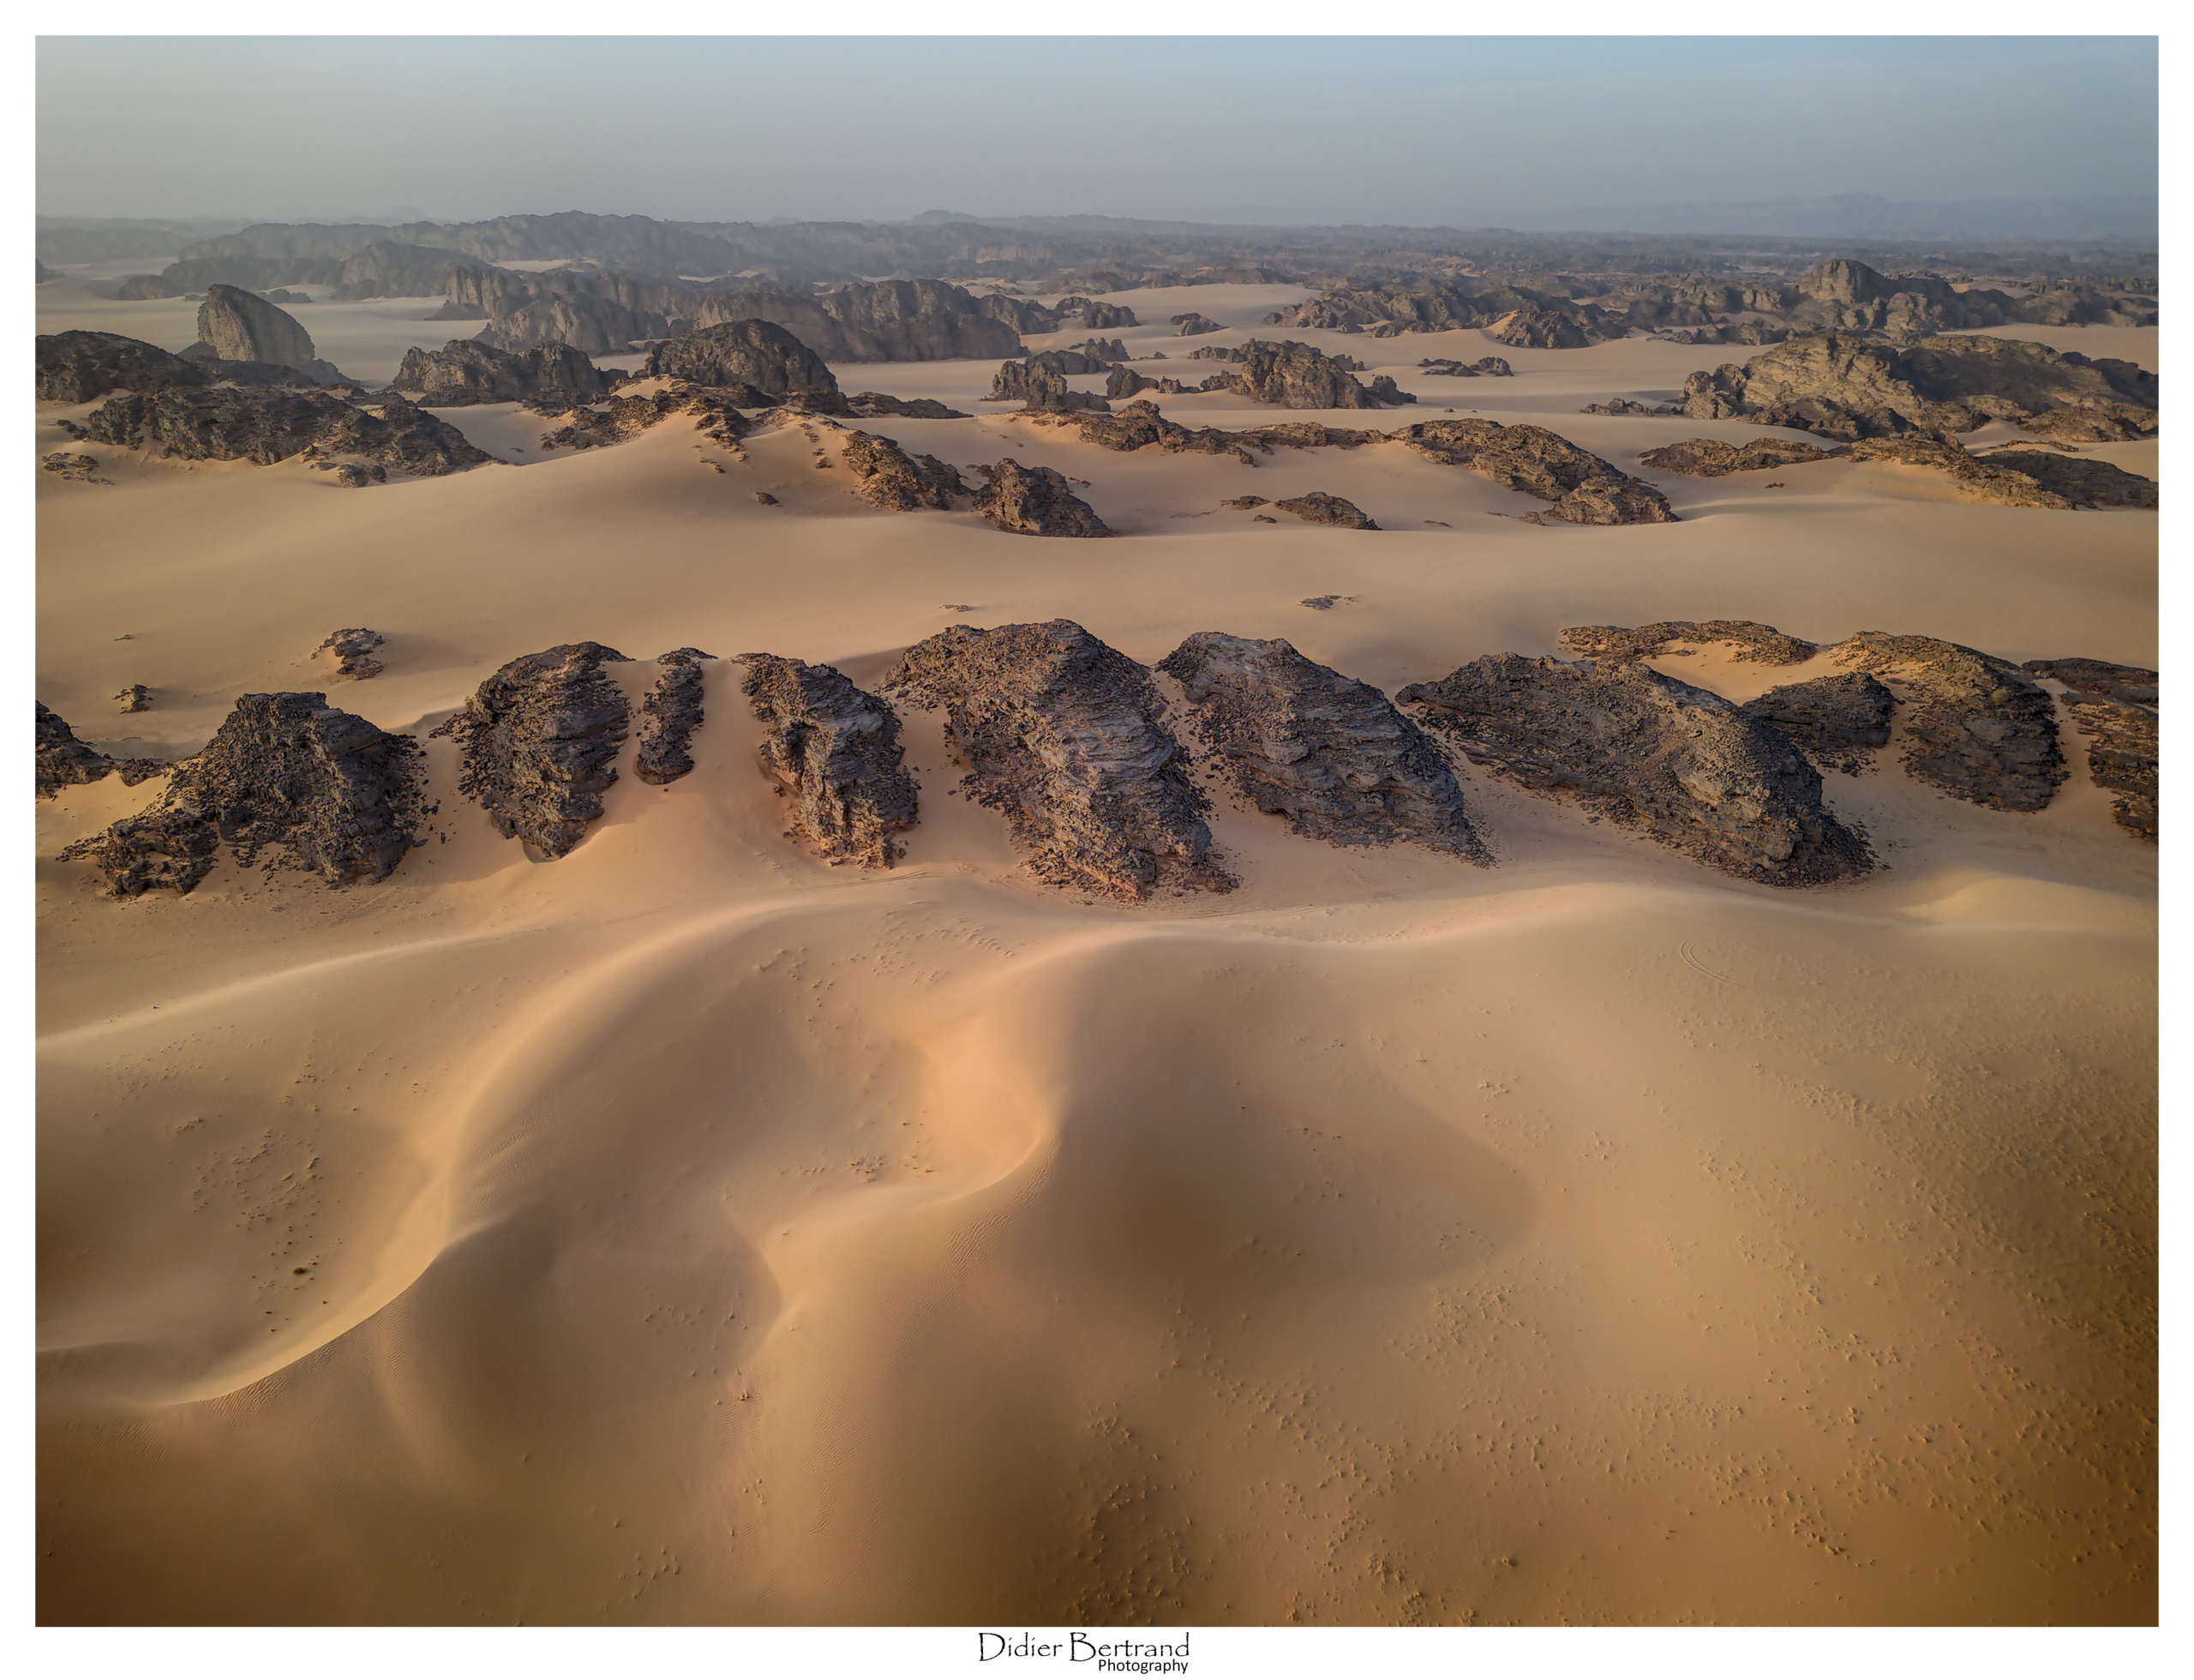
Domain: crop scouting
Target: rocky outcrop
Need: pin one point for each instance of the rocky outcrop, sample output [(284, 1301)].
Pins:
[(235, 325), (1583, 488), (2092, 421), (1836, 721), (1646, 751), (622, 418), (1022, 314), (1190, 325), (1295, 375), (875, 405), (833, 750), (1711, 457), (1748, 643), (1974, 479), (464, 371), (757, 353), (1036, 501), (134, 698), (1101, 352), (1066, 736), (354, 652), (329, 790), (2115, 708), (1095, 316), (224, 423), (2078, 480), (1541, 328), (1975, 726), (1127, 382), (669, 713), (386, 269), (1486, 367), (1319, 509), (81, 366), (1140, 425), (78, 469), (888, 478), (538, 744), (1623, 405), (64, 761), (1329, 753)]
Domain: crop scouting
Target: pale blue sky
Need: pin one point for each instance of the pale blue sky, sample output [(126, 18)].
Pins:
[(1458, 131)]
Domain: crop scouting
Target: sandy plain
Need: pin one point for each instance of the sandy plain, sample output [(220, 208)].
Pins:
[(688, 1231)]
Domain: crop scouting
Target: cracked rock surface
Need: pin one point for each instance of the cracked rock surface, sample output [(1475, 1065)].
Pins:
[(833, 749), (538, 743)]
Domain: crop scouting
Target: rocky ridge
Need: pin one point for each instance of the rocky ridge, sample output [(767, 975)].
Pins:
[(834, 750), (669, 713), (465, 372), (538, 744), (232, 423), (1036, 501)]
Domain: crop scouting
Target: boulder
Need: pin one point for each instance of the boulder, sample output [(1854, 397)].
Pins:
[(1319, 509), (1583, 488), (1975, 726), (135, 698), (757, 353), (888, 478), (669, 713), (464, 371), (1295, 375), (1067, 737), (235, 325), (833, 749), (1836, 721), (2115, 708), (330, 791), (1684, 766), (1036, 501), (226, 423), (1329, 753), (1040, 382), (1190, 325), (354, 652), (538, 744), (61, 759)]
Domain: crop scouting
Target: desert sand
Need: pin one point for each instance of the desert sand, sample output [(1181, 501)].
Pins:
[(686, 1231)]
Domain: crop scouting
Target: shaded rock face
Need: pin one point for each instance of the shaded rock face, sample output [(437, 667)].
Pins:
[(833, 749), (64, 761), (1541, 328), (388, 269), (1749, 644), (1040, 382), (1101, 352), (538, 744), (464, 371), (2115, 708), (1190, 325), (1066, 736), (2092, 421), (1319, 509), (2077, 481), (1140, 424), (237, 327), (354, 652), (336, 795), (1583, 488), (1295, 375), (1329, 753), (1975, 726), (1127, 382), (669, 713), (226, 423), (1711, 457), (79, 367), (757, 353), (1836, 721), (890, 478), (1036, 501), (1684, 766)]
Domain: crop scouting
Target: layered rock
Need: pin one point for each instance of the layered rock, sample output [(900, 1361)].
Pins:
[(1645, 750), (538, 744), (1748, 643), (354, 652), (226, 423), (669, 713), (328, 789), (1036, 501), (1836, 721), (1066, 736), (2115, 708), (1329, 753), (1989, 481), (1711, 457), (2077, 481), (1295, 375), (1319, 509), (890, 478), (757, 353), (464, 371), (235, 325), (1975, 726), (1583, 488), (833, 750), (2092, 421)]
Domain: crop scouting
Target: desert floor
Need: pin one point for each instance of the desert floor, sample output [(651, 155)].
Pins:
[(688, 1231)]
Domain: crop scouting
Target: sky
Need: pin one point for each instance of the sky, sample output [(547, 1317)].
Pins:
[(1455, 131)]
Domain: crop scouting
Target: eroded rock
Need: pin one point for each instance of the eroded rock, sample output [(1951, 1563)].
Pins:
[(1975, 726), (889, 477), (669, 713), (2116, 708), (1318, 508), (1583, 488), (1036, 501), (354, 652), (834, 750), (227, 423), (1711, 457), (1836, 721), (757, 353), (539, 742), (1748, 643), (237, 326), (464, 371)]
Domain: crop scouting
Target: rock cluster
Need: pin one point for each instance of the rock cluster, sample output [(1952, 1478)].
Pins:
[(757, 353), (1295, 375), (235, 325), (334, 794), (593, 427), (1836, 721), (1040, 382), (354, 652), (79, 469), (1127, 382), (1101, 352), (1691, 770), (1036, 501), (890, 478), (669, 713), (2092, 421), (63, 761), (834, 750), (1583, 488), (1330, 753), (2116, 708), (1975, 726), (387, 268), (538, 744), (464, 371), (1095, 316), (266, 425), (1066, 736)]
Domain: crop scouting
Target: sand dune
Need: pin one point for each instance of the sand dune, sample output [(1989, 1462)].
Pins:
[(686, 1231)]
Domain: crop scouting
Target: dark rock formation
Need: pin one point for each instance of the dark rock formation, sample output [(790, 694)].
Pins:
[(1096, 316), (64, 761), (2078, 480), (135, 698), (1711, 457), (833, 749), (1127, 382), (464, 371), (1066, 736), (2116, 710), (1295, 375), (235, 325), (2092, 421), (1583, 488), (1486, 367), (875, 405), (1749, 644), (760, 353), (81, 366), (1623, 405), (1040, 382), (1975, 726), (226, 423), (1539, 328), (620, 418), (1384, 392), (1036, 501), (890, 478), (1330, 753), (334, 794), (1101, 352), (82, 469), (1974, 480), (1319, 509), (386, 269), (354, 652), (1836, 721), (1190, 325), (669, 713), (539, 742), (1685, 765), (2007, 477), (1140, 425)]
